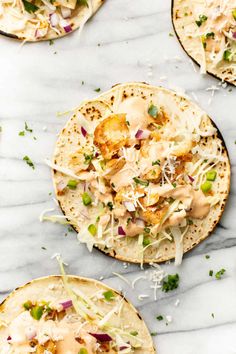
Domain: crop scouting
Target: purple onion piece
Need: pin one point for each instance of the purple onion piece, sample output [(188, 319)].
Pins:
[(83, 131), (234, 35), (66, 304), (191, 178), (121, 231), (67, 28), (139, 134), (123, 347), (9, 338), (101, 337)]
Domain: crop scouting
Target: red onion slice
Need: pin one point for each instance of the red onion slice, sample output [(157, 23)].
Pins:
[(129, 206), (234, 35), (121, 231), (67, 27), (101, 337), (83, 131), (9, 338), (66, 13), (142, 134), (54, 19), (191, 178), (66, 304), (123, 347)]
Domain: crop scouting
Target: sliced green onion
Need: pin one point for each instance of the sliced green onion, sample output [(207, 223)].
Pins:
[(27, 305), (146, 241), (206, 186), (211, 175), (37, 312), (108, 295), (72, 184), (87, 200), (92, 229), (227, 55), (134, 333), (140, 181)]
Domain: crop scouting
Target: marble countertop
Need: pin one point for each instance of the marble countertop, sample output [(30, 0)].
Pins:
[(127, 40)]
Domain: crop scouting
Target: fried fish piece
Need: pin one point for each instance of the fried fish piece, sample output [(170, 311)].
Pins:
[(111, 134)]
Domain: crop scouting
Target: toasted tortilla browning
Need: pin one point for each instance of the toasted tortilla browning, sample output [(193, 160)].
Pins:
[(207, 32), (37, 20), (148, 190), (43, 316)]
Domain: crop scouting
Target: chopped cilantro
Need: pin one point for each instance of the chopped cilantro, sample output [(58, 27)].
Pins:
[(141, 182), (82, 2), (213, 315), (227, 55), (190, 222), (22, 133), (82, 83), (210, 273), (110, 206), (27, 305), (43, 248), (128, 221), (147, 230), (109, 295), (28, 161), (219, 274), (153, 111), (210, 35), (37, 312), (207, 256), (29, 7), (51, 42), (146, 241), (153, 334), (160, 318), (174, 185), (128, 123), (171, 283), (171, 34), (157, 162), (97, 90), (202, 19), (88, 158)]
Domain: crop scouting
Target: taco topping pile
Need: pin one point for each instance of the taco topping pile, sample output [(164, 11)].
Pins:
[(140, 175), (37, 18)]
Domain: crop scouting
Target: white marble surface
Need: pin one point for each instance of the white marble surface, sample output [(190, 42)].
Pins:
[(35, 83)]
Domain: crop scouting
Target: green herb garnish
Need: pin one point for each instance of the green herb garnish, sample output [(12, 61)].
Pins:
[(207, 256), (51, 42), (210, 35), (28, 161), (88, 158), (141, 182), (82, 2), (153, 334), (147, 230), (160, 318), (86, 199), (28, 305), (72, 184), (27, 128), (29, 7), (110, 206), (219, 274), (153, 111), (37, 312), (210, 273), (146, 241), (97, 90), (202, 19), (109, 295), (227, 55), (157, 162), (22, 133), (171, 283), (92, 229)]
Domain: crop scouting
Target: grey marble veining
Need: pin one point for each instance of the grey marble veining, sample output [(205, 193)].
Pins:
[(126, 41)]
